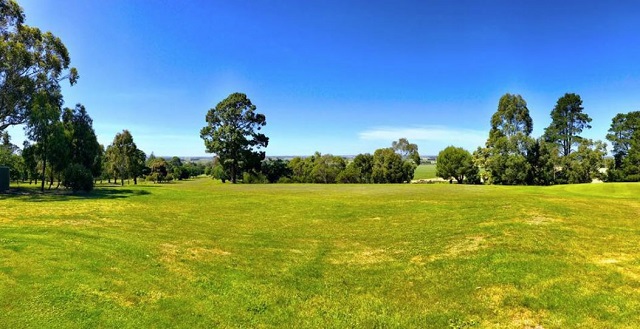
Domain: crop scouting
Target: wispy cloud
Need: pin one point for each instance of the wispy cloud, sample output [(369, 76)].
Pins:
[(468, 138)]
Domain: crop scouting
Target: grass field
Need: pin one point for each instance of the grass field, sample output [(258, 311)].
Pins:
[(425, 171), (204, 254)]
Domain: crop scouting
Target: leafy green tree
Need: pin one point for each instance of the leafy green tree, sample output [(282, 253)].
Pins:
[(275, 169), (137, 165), (301, 169), (31, 61), (623, 127), (359, 170), (83, 141), (159, 170), (326, 168), (406, 150), (388, 167), (232, 133), (30, 161), (505, 155), (43, 124), (123, 155), (542, 157), (582, 165), (455, 162), (567, 122)]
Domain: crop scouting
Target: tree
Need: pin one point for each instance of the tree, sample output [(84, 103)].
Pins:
[(276, 169), (623, 127), (32, 61), (123, 155), (388, 167), (137, 165), (542, 157), (158, 169), (359, 170), (43, 122), (567, 122), (582, 165), (326, 168), (406, 150), (83, 141), (512, 118), (506, 148), (455, 162), (232, 133)]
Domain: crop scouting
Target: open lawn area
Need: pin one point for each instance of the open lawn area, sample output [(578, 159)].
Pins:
[(204, 254), (425, 171)]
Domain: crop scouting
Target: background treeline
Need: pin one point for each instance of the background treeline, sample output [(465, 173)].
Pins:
[(511, 156), (395, 164)]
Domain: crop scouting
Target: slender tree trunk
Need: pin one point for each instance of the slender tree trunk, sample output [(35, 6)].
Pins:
[(135, 180), (44, 167)]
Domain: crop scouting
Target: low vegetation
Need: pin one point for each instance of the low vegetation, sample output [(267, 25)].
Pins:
[(199, 253)]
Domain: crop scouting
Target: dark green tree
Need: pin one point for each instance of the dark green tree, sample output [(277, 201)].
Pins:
[(122, 155), (455, 162), (275, 169), (505, 158), (623, 127), (232, 133), (388, 167), (567, 122), (84, 147)]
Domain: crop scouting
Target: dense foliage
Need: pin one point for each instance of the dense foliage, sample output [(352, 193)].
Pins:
[(232, 133)]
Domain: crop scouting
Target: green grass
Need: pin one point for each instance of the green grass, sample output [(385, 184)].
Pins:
[(425, 171), (204, 254)]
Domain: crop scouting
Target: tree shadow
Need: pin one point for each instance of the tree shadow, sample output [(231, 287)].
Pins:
[(103, 193)]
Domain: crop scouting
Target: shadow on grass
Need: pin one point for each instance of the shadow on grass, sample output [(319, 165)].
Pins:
[(33, 195)]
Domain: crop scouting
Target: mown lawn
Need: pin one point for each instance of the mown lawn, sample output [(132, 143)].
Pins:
[(425, 171), (204, 254)]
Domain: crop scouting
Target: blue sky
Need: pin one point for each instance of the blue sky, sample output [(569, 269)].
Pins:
[(341, 77)]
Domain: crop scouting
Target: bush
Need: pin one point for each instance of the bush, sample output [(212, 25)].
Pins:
[(254, 178), (78, 177)]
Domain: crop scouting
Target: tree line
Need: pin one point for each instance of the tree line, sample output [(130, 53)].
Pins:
[(511, 156)]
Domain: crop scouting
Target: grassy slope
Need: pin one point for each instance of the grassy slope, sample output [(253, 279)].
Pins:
[(200, 254), (425, 171)]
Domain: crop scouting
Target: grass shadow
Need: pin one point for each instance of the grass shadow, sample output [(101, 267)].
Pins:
[(33, 195)]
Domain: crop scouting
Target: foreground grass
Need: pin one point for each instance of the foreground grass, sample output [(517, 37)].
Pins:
[(201, 254)]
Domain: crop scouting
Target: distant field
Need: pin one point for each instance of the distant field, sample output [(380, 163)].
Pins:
[(203, 254), (425, 171)]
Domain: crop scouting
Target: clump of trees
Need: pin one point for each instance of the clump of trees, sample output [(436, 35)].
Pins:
[(457, 163), (511, 156), (624, 135)]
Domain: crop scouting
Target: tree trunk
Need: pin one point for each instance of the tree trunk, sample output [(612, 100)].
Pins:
[(135, 180), (44, 167)]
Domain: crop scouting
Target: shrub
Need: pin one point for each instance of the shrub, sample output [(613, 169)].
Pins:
[(78, 177), (254, 178)]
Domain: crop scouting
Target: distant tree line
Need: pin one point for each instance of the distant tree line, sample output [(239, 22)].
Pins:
[(561, 156), (387, 165)]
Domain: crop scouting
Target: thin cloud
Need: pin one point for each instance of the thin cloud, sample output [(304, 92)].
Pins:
[(439, 134)]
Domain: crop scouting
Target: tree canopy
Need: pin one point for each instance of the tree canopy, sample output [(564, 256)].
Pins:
[(567, 122), (232, 133), (456, 162), (32, 61)]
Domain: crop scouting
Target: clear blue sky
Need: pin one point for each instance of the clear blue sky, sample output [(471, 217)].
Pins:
[(342, 77)]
